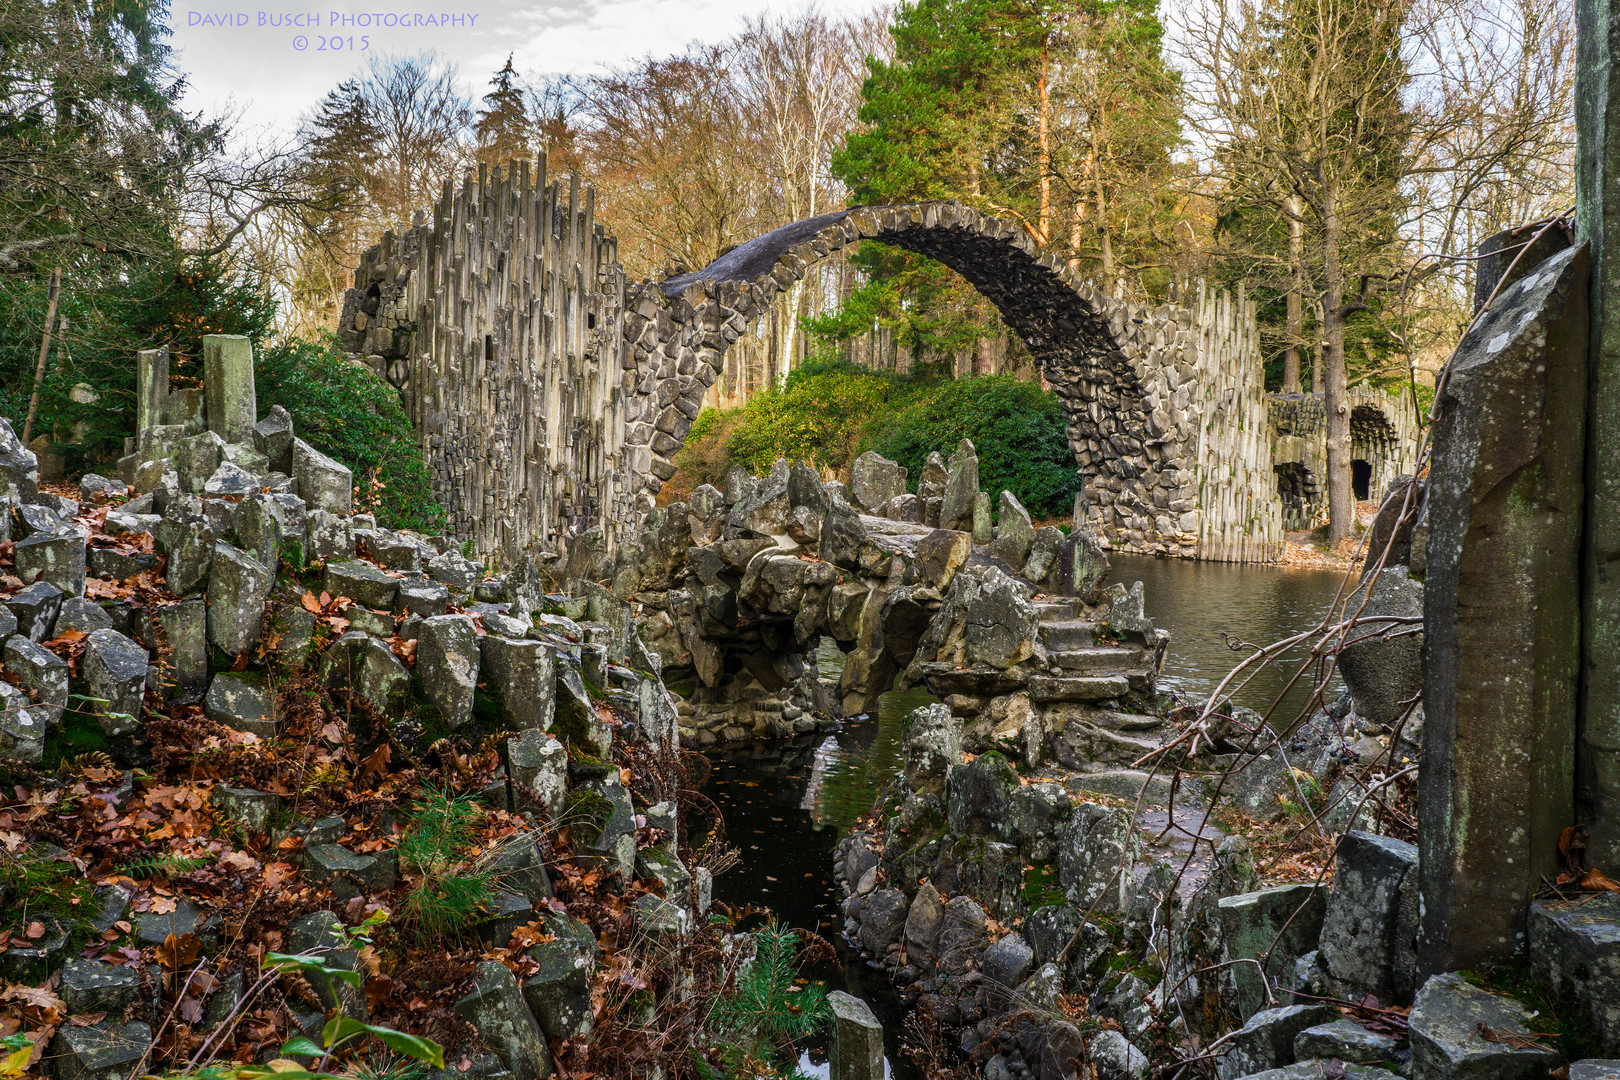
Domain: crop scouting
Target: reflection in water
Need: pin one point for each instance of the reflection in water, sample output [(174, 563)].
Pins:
[(786, 803), (1199, 601)]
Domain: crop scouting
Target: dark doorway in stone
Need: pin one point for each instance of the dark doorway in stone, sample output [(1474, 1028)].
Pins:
[(1300, 492), (1361, 479)]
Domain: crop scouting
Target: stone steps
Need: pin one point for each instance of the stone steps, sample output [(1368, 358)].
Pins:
[(1051, 611), (1068, 635), (1078, 687), (1099, 659)]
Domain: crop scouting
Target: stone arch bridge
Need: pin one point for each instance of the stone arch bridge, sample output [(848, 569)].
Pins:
[(551, 396)]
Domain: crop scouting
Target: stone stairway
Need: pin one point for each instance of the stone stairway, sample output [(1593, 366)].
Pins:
[(1087, 670)]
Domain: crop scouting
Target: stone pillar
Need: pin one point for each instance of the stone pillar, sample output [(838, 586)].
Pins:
[(1597, 201), (1501, 609), (857, 1039), (151, 388), (228, 393)]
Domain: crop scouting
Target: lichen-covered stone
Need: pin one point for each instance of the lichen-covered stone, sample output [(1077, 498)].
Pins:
[(41, 671), (238, 587), (241, 702), (447, 662), (496, 1008), (1447, 1043), (361, 582), (56, 557), (114, 672), (367, 666), (36, 609), (322, 483)]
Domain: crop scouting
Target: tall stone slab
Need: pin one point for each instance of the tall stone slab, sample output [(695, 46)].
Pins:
[(1501, 617), (151, 388), (1597, 202), (228, 393)]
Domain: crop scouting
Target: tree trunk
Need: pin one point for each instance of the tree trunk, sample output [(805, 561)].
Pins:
[(44, 355), (1296, 298), (1341, 499), (1044, 121), (1316, 349)]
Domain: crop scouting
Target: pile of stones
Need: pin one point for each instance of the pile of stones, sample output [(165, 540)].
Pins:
[(213, 550)]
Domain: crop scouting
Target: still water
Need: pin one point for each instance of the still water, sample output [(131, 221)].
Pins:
[(787, 803)]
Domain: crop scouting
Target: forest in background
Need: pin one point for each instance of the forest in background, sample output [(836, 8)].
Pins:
[(1341, 158)]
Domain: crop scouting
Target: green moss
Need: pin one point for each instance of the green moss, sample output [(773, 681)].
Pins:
[(77, 733), (1041, 887), (1557, 1013), (586, 812)]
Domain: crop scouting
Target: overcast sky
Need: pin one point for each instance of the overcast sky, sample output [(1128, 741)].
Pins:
[(237, 58)]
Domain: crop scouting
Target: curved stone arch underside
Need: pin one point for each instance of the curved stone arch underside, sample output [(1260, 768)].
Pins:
[(1164, 405)]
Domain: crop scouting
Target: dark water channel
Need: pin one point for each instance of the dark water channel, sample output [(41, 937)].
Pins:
[(788, 802)]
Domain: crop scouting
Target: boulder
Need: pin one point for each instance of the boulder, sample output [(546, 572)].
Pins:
[(1382, 672), (538, 765), (522, 676), (883, 920), (191, 558), (984, 530), (349, 874), (559, 993), (1044, 550), (422, 597), (1096, 856), (963, 935), (36, 609), (56, 557), (114, 672), (495, 1007), (22, 726), (361, 582), (19, 468), (1006, 964), (85, 616), (874, 480), (104, 1051), (1574, 946), (331, 535), (1014, 533), (933, 747), (195, 459), (367, 666), (447, 655), (857, 1037), (1001, 622), (230, 479), (41, 671), (961, 489), (1369, 929), (242, 702), (1266, 1040), (939, 555), (257, 527), (322, 483), (1344, 1040), (1283, 922), (238, 587), (1448, 1043), (90, 986), (606, 835), (764, 511), (978, 796), (923, 919), (1116, 1058), (273, 437)]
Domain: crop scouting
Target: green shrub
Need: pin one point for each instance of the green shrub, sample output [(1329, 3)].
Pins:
[(753, 1028), (346, 411), (829, 411), (1017, 428), (437, 845)]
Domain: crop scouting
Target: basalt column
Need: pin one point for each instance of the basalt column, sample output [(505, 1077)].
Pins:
[(1501, 616), (1597, 188)]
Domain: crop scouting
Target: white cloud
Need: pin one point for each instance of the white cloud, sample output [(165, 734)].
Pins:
[(250, 67)]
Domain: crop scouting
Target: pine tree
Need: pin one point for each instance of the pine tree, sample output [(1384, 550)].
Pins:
[(503, 128)]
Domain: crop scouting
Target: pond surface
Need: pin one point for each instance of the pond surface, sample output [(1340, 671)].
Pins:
[(788, 802)]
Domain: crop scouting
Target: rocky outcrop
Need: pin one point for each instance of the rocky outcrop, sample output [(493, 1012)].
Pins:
[(738, 588)]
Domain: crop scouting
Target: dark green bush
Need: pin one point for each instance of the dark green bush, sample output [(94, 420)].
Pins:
[(345, 410), (1017, 428), (830, 411)]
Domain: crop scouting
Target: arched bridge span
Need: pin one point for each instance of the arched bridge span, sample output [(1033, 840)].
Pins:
[(550, 395), (1135, 382)]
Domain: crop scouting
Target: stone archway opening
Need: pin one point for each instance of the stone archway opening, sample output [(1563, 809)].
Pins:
[(1361, 479), (1301, 493)]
